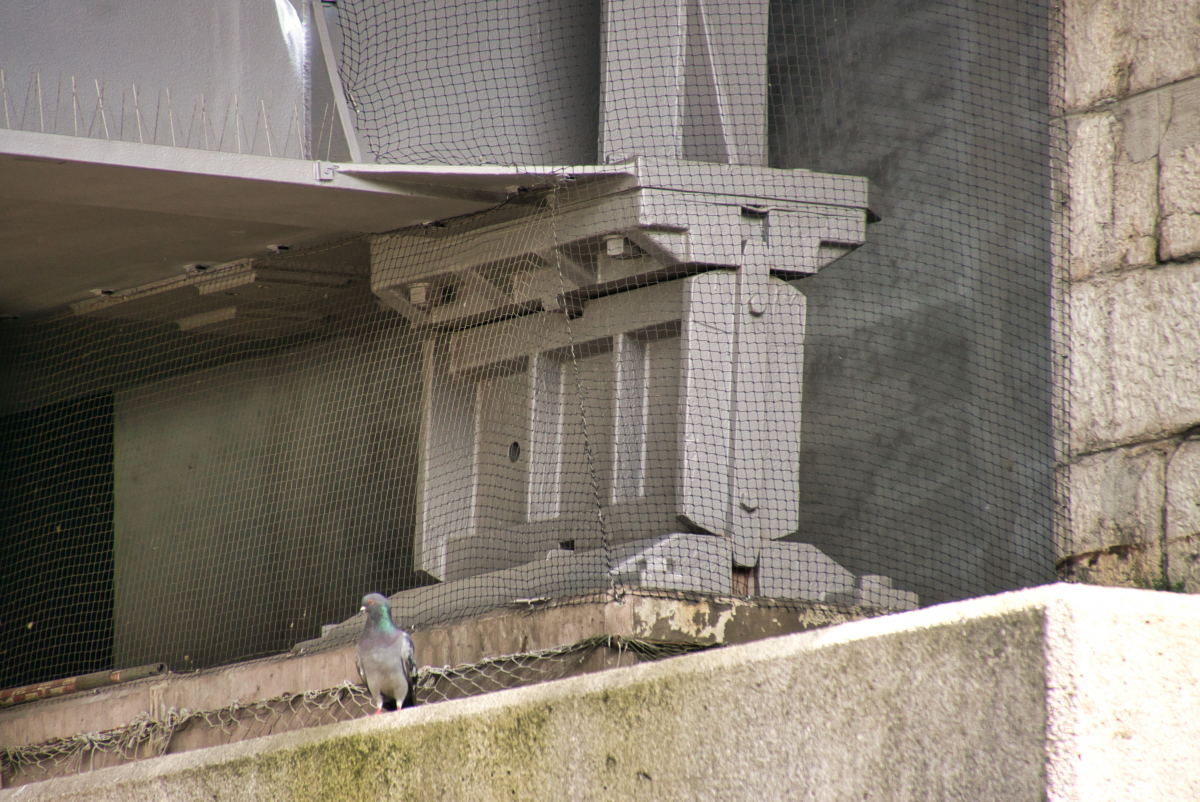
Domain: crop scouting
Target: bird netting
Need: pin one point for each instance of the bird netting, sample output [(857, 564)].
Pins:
[(154, 734), (755, 300)]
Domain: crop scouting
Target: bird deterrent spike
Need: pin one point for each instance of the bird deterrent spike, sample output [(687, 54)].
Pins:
[(171, 116), (157, 117), (204, 118), (138, 114), (4, 93), (100, 106), (321, 133), (57, 102)]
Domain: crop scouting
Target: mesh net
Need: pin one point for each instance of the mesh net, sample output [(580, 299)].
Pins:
[(173, 730), (778, 324)]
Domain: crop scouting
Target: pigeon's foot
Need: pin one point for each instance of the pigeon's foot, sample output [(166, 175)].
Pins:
[(378, 710)]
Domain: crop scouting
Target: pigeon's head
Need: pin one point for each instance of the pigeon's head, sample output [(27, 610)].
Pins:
[(375, 605)]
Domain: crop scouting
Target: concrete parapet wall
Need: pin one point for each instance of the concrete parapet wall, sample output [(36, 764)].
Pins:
[(38, 729), (1131, 101), (1062, 692)]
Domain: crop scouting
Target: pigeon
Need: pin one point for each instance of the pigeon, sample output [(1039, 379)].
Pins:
[(385, 657)]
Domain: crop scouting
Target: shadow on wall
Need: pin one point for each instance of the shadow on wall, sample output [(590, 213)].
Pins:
[(289, 490), (927, 446)]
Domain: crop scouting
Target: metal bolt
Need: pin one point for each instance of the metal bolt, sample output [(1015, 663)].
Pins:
[(756, 306), (749, 503)]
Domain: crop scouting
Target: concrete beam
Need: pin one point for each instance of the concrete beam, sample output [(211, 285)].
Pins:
[(1062, 692), (84, 214)]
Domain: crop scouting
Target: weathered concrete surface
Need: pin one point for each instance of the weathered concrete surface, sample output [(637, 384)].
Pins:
[(1132, 104), (1179, 180), (1183, 564), (1116, 567), (1114, 197), (1180, 199), (1092, 147), (1134, 371), (1135, 181), (1063, 692), (328, 662), (1135, 210), (1118, 47), (1183, 484), (1183, 517), (1116, 498)]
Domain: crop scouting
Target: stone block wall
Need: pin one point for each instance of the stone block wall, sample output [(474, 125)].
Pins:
[(1131, 462)]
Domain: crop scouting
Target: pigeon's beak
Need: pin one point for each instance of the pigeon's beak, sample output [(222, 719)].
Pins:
[(362, 609)]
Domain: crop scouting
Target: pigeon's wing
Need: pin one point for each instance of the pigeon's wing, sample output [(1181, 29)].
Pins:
[(409, 656), (358, 664)]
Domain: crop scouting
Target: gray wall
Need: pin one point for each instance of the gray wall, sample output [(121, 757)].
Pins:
[(252, 49), (258, 486), (256, 501), (927, 442)]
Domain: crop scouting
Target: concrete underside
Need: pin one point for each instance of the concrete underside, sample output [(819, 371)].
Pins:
[(1061, 692), (86, 214)]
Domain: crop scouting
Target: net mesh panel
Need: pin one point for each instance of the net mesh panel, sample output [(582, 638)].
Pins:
[(175, 730), (473, 83), (580, 390)]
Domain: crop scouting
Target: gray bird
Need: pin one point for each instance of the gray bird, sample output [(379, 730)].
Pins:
[(385, 658)]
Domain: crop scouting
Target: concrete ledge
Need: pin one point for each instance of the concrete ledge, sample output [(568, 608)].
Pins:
[(1061, 692), (329, 662)]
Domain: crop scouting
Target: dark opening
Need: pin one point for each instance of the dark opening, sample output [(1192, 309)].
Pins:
[(56, 541)]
